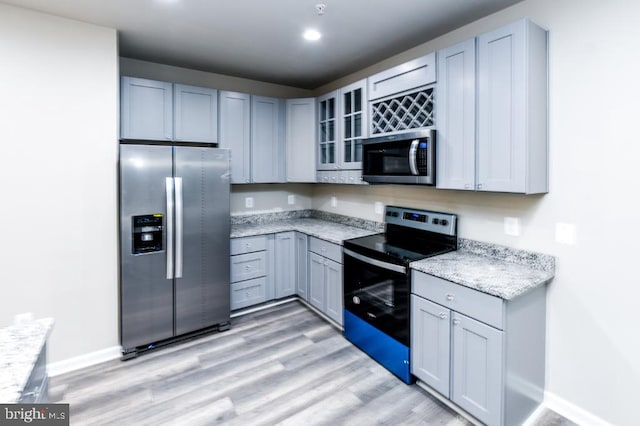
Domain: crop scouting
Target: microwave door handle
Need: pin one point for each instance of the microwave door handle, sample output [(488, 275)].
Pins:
[(413, 157)]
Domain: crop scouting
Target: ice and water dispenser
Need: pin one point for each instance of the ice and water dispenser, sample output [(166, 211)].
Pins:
[(147, 233)]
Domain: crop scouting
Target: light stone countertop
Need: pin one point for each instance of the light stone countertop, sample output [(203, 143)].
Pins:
[(20, 346), (492, 269), (323, 229)]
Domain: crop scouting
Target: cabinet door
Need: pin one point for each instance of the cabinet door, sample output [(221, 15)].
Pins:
[(317, 281), (502, 109), (146, 109), (353, 116), (285, 268), (301, 255), (430, 343), (195, 113), (300, 139), (235, 133), (456, 116), (477, 368), (335, 305), (327, 131), (267, 140)]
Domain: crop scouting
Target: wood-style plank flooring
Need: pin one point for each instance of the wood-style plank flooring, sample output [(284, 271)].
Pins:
[(284, 365)]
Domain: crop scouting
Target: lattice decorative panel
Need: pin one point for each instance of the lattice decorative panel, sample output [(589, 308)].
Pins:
[(403, 112)]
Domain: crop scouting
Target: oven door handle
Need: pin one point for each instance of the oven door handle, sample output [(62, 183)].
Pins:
[(375, 262)]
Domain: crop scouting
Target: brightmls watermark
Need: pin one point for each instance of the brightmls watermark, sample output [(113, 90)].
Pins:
[(34, 414)]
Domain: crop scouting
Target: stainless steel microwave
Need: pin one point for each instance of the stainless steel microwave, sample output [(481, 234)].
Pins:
[(408, 158)]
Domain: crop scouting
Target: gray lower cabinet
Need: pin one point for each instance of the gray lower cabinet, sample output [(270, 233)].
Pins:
[(325, 278), (36, 391), (249, 271), (301, 262), (285, 266), (485, 354)]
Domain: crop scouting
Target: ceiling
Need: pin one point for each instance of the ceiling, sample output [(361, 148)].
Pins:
[(262, 40)]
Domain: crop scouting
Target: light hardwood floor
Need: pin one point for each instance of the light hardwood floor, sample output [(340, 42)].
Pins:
[(284, 365)]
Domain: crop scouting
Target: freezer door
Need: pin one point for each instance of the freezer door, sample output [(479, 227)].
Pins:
[(202, 237), (146, 295)]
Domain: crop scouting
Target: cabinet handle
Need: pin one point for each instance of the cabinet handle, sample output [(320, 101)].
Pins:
[(442, 315), (450, 297), (456, 321)]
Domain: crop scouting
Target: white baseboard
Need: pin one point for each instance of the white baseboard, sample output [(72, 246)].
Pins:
[(83, 361), (572, 412), (531, 420)]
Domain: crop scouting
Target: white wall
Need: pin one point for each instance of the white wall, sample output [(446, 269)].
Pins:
[(58, 109), (593, 352), (270, 198)]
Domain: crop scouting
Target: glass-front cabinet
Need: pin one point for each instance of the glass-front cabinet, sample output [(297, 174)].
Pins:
[(342, 125), (327, 131)]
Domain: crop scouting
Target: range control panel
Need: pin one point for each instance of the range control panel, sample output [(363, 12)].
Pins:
[(442, 223), (147, 233)]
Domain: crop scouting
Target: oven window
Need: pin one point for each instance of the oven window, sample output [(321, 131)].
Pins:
[(378, 296)]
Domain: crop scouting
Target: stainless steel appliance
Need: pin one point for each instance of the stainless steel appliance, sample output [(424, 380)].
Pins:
[(377, 282), (408, 158), (174, 243)]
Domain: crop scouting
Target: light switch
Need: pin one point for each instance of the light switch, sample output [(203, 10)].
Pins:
[(334, 202), (378, 207), (512, 226), (291, 199), (248, 202)]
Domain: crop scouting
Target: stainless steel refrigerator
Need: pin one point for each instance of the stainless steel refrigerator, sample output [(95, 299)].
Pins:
[(174, 243)]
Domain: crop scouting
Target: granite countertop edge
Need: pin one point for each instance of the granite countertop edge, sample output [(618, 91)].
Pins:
[(493, 269), (20, 346)]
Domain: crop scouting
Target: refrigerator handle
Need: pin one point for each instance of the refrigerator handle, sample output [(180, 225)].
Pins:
[(169, 190), (179, 227)]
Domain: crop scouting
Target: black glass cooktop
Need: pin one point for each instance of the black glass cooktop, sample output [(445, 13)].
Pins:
[(400, 251)]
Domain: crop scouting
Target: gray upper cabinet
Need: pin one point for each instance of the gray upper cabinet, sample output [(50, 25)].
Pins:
[(195, 113), (456, 138), (512, 109), (492, 132), (353, 124), (267, 140), (253, 128), (300, 139), (328, 131), (235, 133), (158, 110), (285, 266), (146, 109), (408, 76)]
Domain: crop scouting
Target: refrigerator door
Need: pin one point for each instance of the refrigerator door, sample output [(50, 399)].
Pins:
[(202, 286), (146, 294)]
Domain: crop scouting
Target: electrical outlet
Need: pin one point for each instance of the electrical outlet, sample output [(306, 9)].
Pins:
[(291, 199), (248, 202), (334, 202), (378, 207), (565, 233), (512, 226)]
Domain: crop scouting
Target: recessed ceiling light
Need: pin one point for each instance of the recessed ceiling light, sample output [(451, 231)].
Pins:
[(311, 35)]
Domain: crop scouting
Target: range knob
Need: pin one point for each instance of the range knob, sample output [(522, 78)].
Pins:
[(444, 222)]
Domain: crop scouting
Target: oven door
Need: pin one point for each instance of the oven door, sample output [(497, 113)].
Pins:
[(377, 292)]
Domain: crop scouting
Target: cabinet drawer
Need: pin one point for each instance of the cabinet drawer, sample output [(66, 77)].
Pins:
[(248, 244), (248, 266), (247, 293), (326, 249), (408, 76), (478, 305)]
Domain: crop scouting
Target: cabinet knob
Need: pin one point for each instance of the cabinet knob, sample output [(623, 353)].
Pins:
[(450, 297), (442, 315), (456, 321), (467, 186), (480, 186), (247, 267)]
